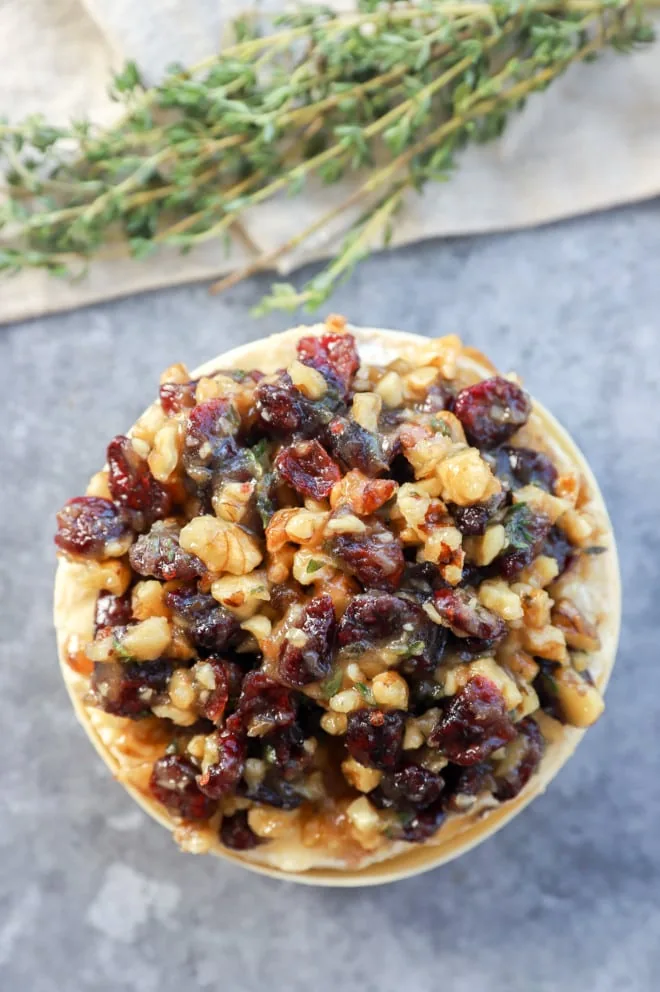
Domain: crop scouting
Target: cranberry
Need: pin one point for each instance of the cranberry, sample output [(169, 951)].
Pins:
[(211, 447), (545, 687), (277, 792), (130, 689), (475, 724), (335, 355), (284, 749), (529, 747), (89, 525), (111, 611), (282, 596), (211, 628), (375, 739), (227, 678), (264, 705), (410, 787), (177, 396), (471, 520), (526, 532), (440, 396), (158, 554), (308, 468), (173, 784), (283, 410), (378, 619), (466, 617), (424, 693), (492, 411), (375, 558), (133, 486), (422, 825), (524, 467), (465, 784), (235, 832), (311, 661), (223, 776), (558, 547), (355, 447)]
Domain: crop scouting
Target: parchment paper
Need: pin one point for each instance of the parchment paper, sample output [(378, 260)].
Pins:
[(590, 142)]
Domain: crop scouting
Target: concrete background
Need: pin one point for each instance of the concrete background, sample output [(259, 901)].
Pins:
[(93, 896)]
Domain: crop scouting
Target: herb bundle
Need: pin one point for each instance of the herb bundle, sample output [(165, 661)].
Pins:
[(390, 93)]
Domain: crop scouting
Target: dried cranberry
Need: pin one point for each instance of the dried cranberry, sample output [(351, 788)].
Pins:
[(129, 689), (440, 396), (335, 355), (355, 447), (375, 739), (311, 661), (471, 520), (421, 826), (285, 750), (283, 410), (527, 750), (211, 628), (308, 468), (558, 547), (475, 724), (277, 792), (235, 832), (173, 784), (133, 486), (90, 525), (492, 411), (375, 558), (264, 705), (177, 396), (111, 611), (465, 784), (545, 686), (524, 467), (526, 532), (158, 554), (222, 776), (211, 447), (466, 617), (424, 693), (282, 596), (410, 787), (227, 678), (376, 620)]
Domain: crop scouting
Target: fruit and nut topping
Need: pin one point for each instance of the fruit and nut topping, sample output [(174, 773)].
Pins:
[(338, 592)]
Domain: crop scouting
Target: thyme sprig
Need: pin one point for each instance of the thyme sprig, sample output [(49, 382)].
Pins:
[(389, 94)]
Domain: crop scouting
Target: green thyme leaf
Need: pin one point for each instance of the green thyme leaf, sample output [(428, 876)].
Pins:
[(386, 97), (516, 526), (313, 566), (366, 693), (332, 685)]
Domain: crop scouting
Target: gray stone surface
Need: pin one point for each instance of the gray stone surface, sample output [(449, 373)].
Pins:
[(95, 897)]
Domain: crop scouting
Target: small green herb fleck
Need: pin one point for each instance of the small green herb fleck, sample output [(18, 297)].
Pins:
[(313, 566), (270, 755), (332, 684), (516, 526), (366, 693), (440, 426), (120, 650), (595, 549)]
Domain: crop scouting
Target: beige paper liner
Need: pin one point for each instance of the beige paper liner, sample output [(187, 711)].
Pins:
[(121, 743)]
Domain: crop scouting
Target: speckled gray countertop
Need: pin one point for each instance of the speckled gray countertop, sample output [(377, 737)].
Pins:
[(93, 896)]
